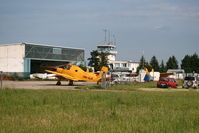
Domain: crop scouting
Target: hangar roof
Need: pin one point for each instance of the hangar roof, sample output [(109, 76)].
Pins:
[(39, 45), (49, 52)]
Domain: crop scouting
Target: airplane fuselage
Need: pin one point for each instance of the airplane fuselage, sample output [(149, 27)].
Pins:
[(79, 74)]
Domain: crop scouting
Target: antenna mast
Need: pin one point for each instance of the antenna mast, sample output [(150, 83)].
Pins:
[(105, 30), (109, 37), (114, 40)]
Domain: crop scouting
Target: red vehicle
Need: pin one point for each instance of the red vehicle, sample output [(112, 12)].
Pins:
[(167, 82)]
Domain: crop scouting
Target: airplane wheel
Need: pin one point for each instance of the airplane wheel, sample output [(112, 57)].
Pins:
[(58, 83), (70, 83), (189, 83)]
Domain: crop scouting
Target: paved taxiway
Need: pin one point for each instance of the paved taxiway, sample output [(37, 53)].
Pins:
[(42, 84)]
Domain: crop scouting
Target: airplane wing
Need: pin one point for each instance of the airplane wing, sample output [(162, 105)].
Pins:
[(165, 74), (63, 75)]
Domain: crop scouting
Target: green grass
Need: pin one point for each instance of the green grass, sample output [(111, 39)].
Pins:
[(55, 111), (128, 86), (133, 86)]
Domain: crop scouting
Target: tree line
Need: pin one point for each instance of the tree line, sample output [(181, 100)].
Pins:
[(190, 63), (172, 63)]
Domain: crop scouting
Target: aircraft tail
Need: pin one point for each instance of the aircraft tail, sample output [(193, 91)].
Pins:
[(103, 69)]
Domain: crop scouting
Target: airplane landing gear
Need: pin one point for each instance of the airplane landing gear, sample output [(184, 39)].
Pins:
[(58, 82), (70, 83)]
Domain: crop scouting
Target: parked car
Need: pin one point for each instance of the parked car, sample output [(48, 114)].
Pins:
[(167, 82), (191, 82)]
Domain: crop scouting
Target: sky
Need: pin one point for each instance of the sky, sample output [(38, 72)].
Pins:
[(160, 28)]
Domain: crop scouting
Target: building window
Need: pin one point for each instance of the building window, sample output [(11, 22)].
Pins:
[(117, 65), (57, 51), (124, 65)]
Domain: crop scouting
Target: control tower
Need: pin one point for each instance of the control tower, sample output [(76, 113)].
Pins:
[(108, 46)]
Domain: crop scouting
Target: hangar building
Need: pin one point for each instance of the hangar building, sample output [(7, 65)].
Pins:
[(24, 59)]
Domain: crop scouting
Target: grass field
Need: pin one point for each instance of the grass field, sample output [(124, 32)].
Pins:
[(129, 86), (47, 111)]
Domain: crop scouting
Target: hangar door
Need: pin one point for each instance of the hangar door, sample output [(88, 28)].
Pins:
[(39, 66)]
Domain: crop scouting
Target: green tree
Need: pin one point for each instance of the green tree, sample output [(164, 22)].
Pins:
[(154, 63), (94, 60), (186, 64), (148, 66), (98, 59), (82, 67), (172, 63), (195, 63), (190, 63), (162, 67), (103, 59), (143, 64)]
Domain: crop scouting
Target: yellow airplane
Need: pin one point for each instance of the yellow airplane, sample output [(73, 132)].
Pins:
[(75, 73)]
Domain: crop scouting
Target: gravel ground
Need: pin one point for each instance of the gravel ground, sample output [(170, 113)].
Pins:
[(42, 84)]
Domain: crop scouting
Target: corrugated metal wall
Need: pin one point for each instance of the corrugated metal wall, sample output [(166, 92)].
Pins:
[(12, 58), (56, 53)]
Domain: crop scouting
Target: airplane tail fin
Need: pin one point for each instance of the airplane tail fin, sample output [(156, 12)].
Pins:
[(103, 69)]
